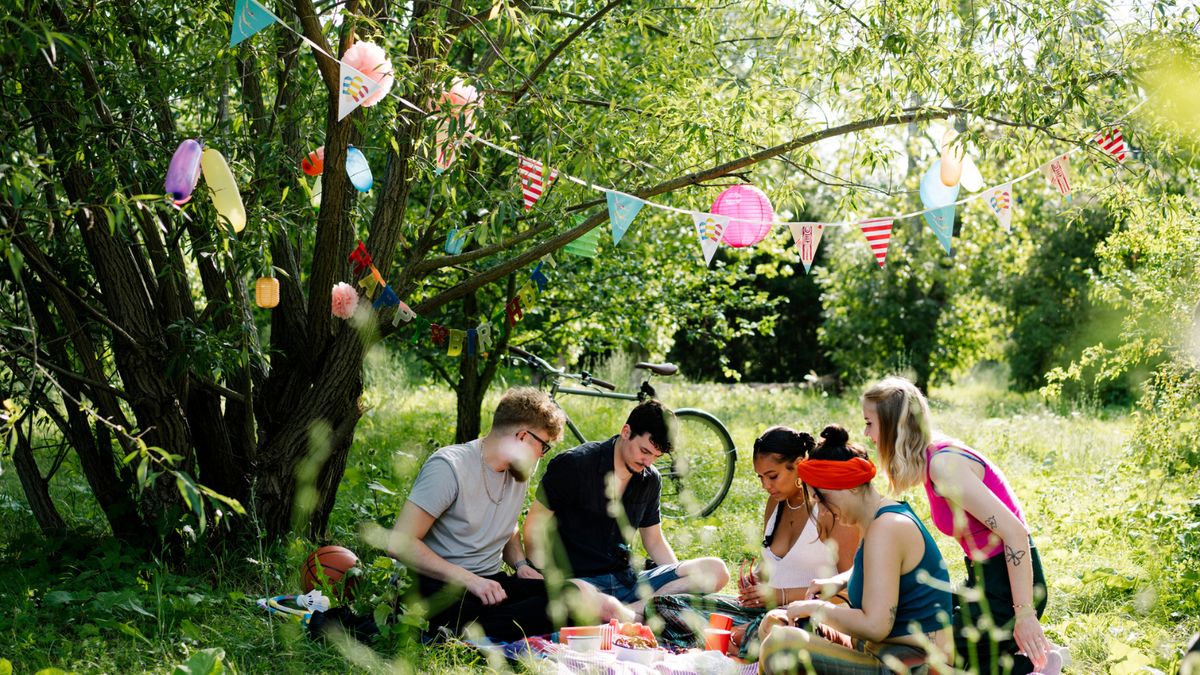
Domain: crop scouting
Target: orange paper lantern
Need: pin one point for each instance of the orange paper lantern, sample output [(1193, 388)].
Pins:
[(266, 292)]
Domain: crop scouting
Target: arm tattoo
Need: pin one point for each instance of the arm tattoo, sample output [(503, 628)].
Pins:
[(990, 522), (1013, 555)]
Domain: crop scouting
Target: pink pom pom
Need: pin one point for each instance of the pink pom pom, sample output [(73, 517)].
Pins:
[(462, 99), (345, 300), (372, 61)]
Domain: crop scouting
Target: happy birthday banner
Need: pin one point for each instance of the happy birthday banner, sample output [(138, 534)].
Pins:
[(740, 217)]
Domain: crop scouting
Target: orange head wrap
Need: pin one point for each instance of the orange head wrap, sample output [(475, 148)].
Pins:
[(829, 474)]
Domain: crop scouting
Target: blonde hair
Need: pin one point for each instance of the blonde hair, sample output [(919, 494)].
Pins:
[(528, 407), (904, 430)]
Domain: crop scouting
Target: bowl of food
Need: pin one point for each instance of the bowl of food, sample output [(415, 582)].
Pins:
[(584, 643), (637, 649)]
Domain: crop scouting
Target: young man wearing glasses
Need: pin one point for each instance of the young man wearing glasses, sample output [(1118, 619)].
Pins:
[(460, 523), (598, 495)]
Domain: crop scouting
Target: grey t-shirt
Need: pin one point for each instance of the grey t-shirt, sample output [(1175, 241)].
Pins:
[(460, 492)]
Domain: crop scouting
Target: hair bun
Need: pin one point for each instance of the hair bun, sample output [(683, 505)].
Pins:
[(807, 442), (835, 435)]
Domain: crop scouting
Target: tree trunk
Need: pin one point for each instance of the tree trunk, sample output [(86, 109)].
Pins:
[(37, 489)]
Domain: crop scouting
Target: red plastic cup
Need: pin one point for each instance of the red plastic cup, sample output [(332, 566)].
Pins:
[(717, 640), (720, 622)]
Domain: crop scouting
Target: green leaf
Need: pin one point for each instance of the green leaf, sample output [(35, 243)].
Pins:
[(6, 667), (56, 598), (204, 662), (132, 631)]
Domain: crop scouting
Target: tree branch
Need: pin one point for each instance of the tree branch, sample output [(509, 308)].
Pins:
[(558, 48)]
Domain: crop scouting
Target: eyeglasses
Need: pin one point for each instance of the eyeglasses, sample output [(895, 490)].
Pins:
[(546, 445)]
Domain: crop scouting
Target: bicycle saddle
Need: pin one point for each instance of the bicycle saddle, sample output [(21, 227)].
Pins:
[(659, 368)]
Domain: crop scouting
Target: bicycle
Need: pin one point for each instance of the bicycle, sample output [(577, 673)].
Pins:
[(703, 458)]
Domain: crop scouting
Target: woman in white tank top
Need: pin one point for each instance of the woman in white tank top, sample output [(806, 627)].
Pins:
[(800, 541)]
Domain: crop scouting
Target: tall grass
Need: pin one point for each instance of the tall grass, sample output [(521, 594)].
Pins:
[(89, 607)]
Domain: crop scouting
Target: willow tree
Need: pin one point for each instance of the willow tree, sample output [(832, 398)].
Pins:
[(129, 332)]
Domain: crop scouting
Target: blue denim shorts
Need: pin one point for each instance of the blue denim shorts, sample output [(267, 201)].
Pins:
[(624, 587)]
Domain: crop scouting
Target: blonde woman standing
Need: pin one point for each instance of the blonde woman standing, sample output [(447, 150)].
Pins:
[(972, 501)]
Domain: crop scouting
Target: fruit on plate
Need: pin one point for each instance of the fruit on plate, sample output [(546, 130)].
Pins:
[(633, 635)]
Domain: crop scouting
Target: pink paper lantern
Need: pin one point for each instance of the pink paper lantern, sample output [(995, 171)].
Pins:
[(749, 213)]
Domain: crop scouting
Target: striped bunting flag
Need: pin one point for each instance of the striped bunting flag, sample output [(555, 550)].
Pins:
[(878, 233), (532, 183), (1113, 144), (999, 199), (808, 237), (1058, 172)]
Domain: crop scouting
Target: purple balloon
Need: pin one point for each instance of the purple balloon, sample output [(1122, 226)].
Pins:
[(184, 171)]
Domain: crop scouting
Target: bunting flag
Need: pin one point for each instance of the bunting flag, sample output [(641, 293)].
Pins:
[(249, 17), (709, 227), (1113, 144), (878, 233), (941, 221), (457, 340), (360, 258), (539, 277), (455, 240), (527, 296), (369, 284), (532, 172), (404, 314), (808, 237), (377, 276), (472, 340), (387, 298), (485, 335), (440, 334), (513, 311), (585, 245), (999, 200), (355, 88), (1058, 172), (622, 209)]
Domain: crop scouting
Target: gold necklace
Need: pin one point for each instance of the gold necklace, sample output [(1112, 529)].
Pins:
[(794, 508)]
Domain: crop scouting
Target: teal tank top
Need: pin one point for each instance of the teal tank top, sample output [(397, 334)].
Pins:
[(919, 601)]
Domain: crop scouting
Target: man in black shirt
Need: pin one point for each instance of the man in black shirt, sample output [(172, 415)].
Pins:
[(598, 495)]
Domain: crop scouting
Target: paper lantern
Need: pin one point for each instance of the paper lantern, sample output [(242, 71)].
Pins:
[(750, 215), (370, 60), (225, 194), (314, 164), (358, 169), (266, 292)]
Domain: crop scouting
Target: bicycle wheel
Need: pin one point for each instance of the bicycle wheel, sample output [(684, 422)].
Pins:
[(701, 466)]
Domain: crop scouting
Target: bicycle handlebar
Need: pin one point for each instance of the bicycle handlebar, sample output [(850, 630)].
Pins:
[(541, 364), (601, 383)]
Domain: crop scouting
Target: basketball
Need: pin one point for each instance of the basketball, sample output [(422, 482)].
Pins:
[(329, 564)]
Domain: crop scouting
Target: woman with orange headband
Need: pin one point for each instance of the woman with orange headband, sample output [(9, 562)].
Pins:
[(898, 588)]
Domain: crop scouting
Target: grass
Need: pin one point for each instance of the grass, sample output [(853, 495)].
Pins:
[(83, 605)]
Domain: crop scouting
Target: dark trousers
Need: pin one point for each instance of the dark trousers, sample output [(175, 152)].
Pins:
[(988, 649), (523, 613)]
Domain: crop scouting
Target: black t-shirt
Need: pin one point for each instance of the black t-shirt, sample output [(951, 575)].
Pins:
[(573, 488)]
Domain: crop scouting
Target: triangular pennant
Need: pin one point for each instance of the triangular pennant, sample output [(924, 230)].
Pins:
[(404, 314), (709, 227), (585, 245), (533, 180), (455, 240), (249, 17), (485, 336), (622, 209), (1058, 172), (355, 88), (1112, 143), (878, 233), (999, 200), (458, 340), (808, 237), (941, 221)]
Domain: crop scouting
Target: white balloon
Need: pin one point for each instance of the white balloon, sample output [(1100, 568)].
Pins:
[(971, 179)]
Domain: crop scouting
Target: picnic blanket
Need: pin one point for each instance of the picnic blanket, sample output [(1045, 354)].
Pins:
[(569, 662)]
